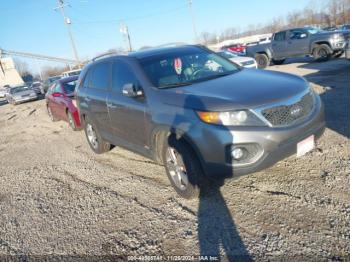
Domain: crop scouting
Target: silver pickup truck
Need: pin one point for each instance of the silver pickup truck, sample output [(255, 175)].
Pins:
[(297, 42)]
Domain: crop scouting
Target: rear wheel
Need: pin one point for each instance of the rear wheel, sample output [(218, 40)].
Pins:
[(182, 167), (71, 121), (278, 62), (262, 60), (96, 142), (322, 53)]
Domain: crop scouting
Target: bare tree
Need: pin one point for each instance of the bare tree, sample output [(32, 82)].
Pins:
[(21, 67), (333, 10)]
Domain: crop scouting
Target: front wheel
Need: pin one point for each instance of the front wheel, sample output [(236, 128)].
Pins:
[(182, 167), (322, 53), (96, 142)]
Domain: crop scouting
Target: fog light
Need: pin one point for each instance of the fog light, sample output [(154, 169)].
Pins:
[(237, 153)]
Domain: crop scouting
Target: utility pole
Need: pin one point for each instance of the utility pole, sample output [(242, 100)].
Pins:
[(67, 23), (125, 31), (193, 21)]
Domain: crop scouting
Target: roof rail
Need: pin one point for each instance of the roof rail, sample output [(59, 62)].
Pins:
[(103, 55), (172, 44)]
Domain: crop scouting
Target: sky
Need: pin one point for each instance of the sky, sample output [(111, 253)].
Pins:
[(34, 26)]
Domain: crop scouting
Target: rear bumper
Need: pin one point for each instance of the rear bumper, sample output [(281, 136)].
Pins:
[(275, 144), (25, 99)]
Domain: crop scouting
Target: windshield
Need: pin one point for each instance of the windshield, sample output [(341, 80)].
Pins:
[(18, 89), (186, 67), (69, 86), (313, 30)]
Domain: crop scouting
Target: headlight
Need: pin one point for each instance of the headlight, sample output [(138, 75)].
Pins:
[(338, 37), (231, 118)]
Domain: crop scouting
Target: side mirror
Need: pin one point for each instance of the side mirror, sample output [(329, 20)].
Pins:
[(130, 90), (302, 36), (56, 94)]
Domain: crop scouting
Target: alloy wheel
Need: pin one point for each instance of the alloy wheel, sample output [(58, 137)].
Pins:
[(176, 169), (92, 137)]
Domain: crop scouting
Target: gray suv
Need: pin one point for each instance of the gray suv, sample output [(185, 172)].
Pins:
[(296, 42), (197, 113)]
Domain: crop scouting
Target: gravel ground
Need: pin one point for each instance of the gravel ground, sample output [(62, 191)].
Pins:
[(58, 198)]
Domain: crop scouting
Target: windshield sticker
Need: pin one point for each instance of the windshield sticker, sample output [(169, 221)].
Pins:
[(178, 65)]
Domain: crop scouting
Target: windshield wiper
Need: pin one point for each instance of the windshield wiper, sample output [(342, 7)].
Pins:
[(176, 85), (216, 76)]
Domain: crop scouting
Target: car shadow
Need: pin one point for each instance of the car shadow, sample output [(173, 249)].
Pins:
[(216, 227), (217, 233), (335, 94)]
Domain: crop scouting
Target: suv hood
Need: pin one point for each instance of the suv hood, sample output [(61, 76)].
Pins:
[(327, 34), (247, 89)]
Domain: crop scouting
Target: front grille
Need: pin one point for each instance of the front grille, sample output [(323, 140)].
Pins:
[(284, 115)]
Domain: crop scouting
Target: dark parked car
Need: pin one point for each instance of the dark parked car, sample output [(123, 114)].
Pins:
[(48, 82), (60, 102), (200, 121), (37, 87)]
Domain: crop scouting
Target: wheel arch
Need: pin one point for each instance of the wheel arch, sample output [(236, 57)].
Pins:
[(318, 43), (160, 136)]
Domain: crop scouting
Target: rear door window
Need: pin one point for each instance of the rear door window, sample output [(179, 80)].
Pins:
[(281, 36), (86, 80)]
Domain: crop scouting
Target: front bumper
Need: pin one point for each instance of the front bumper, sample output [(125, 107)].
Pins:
[(275, 143), (339, 45)]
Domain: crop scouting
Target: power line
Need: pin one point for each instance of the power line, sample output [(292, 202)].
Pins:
[(193, 20), (136, 17), (67, 23)]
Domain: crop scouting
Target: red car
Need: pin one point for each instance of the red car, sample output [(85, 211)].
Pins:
[(61, 103), (238, 48)]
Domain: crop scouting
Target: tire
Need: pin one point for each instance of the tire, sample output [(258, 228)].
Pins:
[(322, 53), (71, 121), (49, 112), (338, 54), (182, 167), (96, 142), (262, 60), (278, 62)]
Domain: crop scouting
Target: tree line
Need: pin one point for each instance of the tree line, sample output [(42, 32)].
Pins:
[(323, 13)]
